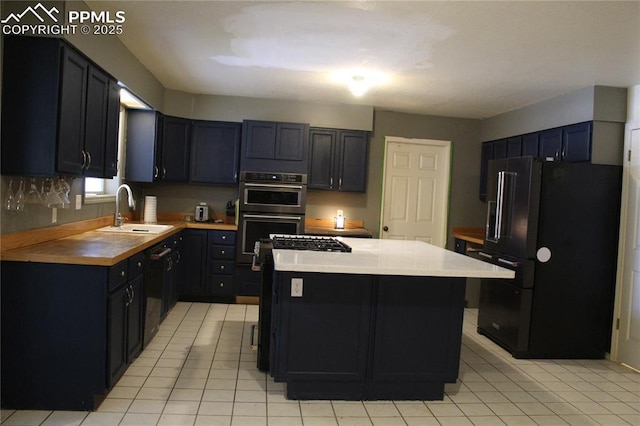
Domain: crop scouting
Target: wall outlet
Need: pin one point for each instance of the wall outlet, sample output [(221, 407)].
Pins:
[(54, 215), (296, 287), (78, 201)]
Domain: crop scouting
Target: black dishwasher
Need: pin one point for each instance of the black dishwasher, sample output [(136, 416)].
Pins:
[(157, 263)]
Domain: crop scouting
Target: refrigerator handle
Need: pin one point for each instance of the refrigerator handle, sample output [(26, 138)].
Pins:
[(497, 232), (508, 262)]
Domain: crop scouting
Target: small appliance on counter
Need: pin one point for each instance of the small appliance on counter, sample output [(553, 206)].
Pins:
[(202, 213)]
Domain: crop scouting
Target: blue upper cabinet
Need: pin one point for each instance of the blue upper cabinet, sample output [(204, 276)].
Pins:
[(551, 144), (274, 147), (514, 147), (576, 142), (61, 117), (215, 150), (569, 143), (530, 145), (338, 159)]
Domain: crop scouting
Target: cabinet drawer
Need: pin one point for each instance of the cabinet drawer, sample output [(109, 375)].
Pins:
[(222, 237), (135, 265), (221, 252), (222, 267), (117, 275), (222, 284)]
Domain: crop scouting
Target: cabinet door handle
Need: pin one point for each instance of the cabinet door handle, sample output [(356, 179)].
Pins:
[(331, 182), (155, 172), (164, 172), (133, 294), (84, 160), (128, 302), (340, 183), (564, 153), (88, 160)]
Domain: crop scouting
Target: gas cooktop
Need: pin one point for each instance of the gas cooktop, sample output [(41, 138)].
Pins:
[(309, 242)]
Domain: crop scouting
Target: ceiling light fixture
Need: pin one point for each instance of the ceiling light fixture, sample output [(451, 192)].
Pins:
[(131, 101), (358, 85), (358, 81)]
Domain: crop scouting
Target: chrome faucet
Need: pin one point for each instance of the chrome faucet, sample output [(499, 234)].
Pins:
[(118, 220)]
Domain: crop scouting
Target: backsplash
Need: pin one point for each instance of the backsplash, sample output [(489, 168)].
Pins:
[(182, 198), (40, 216)]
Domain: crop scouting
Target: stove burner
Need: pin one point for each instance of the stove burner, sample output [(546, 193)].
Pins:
[(306, 242)]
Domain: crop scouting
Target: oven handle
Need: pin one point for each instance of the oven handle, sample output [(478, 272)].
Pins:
[(264, 216), (271, 185)]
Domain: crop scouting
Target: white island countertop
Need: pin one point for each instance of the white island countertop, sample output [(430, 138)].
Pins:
[(388, 257)]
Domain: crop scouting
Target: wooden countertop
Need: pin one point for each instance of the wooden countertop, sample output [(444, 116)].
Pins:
[(77, 244), (473, 235), (352, 228)]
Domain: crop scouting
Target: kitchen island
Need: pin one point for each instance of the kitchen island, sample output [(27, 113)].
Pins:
[(381, 322)]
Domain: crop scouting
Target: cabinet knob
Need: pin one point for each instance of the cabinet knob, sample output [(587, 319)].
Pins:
[(224, 237), (122, 273), (221, 267), (139, 264), (221, 285), (221, 251)]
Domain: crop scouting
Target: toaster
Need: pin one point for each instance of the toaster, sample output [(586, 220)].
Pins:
[(202, 213)]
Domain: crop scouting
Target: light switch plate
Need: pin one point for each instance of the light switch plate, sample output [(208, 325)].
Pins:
[(296, 287), (78, 201)]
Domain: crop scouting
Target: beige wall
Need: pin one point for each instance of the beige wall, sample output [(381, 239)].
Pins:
[(465, 208), (237, 108)]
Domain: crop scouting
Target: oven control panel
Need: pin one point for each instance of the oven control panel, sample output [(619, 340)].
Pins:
[(299, 178)]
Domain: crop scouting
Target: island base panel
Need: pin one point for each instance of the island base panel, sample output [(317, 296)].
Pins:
[(366, 337)]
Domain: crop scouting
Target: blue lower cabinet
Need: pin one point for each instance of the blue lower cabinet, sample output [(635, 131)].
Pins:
[(221, 265), (247, 281), (68, 332), (208, 266)]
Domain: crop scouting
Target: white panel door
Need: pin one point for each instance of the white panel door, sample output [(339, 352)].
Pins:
[(629, 333), (416, 190)]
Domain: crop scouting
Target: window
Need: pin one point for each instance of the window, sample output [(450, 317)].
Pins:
[(94, 186)]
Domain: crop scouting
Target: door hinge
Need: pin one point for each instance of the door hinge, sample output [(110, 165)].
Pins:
[(618, 324)]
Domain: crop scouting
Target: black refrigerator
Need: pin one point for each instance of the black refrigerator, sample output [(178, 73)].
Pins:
[(556, 225)]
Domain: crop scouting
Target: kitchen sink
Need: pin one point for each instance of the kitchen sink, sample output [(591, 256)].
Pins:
[(136, 228)]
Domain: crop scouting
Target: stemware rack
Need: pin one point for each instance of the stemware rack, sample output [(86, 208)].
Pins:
[(50, 192)]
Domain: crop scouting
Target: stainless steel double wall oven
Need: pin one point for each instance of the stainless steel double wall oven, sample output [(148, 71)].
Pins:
[(270, 203)]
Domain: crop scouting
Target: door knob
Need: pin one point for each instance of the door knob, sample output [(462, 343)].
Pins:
[(385, 228)]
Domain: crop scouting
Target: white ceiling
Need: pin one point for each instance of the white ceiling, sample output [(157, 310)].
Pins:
[(461, 59)]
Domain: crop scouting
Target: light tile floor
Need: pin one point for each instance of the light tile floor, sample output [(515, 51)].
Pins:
[(198, 370)]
